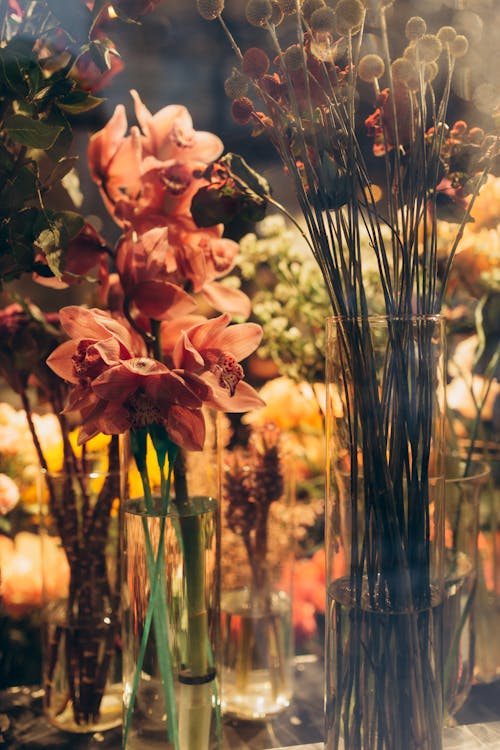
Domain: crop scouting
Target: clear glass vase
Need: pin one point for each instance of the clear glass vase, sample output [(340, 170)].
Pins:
[(81, 613), (465, 480), (170, 599), (384, 539), (487, 605), (256, 562)]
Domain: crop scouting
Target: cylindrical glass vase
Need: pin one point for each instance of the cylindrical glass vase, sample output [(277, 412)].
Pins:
[(464, 483), (384, 537), (487, 605), (170, 599), (256, 564), (81, 615)]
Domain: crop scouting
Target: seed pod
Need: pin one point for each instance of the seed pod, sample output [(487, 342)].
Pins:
[(370, 68), (236, 86), (429, 48), (210, 9), (293, 57), (242, 110), (403, 69), (289, 6), (255, 62), (460, 46), (415, 28), (446, 34), (431, 70), (278, 14), (258, 12), (323, 20), (349, 15), (309, 6)]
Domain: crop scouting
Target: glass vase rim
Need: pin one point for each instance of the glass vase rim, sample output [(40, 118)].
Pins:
[(481, 473), (72, 473), (210, 505), (384, 317)]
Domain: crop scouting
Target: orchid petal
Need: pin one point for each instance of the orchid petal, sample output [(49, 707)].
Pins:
[(245, 397), (223, 298), (60, 361), (186, 427)]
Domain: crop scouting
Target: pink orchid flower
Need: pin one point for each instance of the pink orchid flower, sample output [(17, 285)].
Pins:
[(203, 256), (151, 393), (169, 134), (214, 350), (143, 263), (165, 141)]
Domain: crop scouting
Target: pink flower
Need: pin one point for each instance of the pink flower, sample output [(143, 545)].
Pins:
[(143, 263), (214, 349), (9, 494), (203, 256), (145, 391), (166, 146)]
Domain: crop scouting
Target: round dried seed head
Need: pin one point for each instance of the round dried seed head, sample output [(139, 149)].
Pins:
[(242, 110), (210, 9), (309, 6), (349, 14), (289, 6), (323, 20), (410, 52), (278, 14), (446, 34), (403, 69), (370, 68), (429, 48), (415, 28), (431, 70), (258, 12), (255, 62), (460, 46), (293, 57), (236, 86)]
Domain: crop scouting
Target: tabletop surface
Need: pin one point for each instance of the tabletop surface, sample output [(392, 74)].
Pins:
[(23, 726)]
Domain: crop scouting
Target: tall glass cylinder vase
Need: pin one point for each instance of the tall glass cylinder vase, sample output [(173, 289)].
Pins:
[(256, 565), (170, 595), (384, 533), (81, 615), (465, 481)]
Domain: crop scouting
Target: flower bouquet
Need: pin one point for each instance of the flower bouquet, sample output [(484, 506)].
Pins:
[(149, 366), (385, 375)]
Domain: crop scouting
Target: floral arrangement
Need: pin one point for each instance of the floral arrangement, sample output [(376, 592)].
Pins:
[(143, 358), (303, 87)]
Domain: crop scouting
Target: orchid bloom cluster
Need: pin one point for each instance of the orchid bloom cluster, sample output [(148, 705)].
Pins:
[(150, 358)]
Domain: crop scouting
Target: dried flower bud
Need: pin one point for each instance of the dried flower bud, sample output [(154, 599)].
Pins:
[(242, 110), (309, 6), (429, 48), (446, 34), (278, 14), (349, 14), (431, 70), (460, 46), (476, 136), (323, 20), (403, 69), (289, 6), (258, 12), (255, 62), (236, 86), (293, 57), (459, 128), (410, 53), (370, 68), (415, 28), (210, 9)]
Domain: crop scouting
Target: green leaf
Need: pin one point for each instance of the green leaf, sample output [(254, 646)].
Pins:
[(78, 101), (245, 176), (54, 239), (32, 133)]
